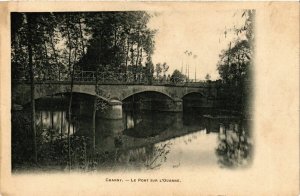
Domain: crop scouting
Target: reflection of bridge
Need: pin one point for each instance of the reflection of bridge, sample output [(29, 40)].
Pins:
[(114, 94)]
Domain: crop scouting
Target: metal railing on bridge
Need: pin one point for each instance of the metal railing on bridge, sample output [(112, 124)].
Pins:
[(130, 78), (119, 78)]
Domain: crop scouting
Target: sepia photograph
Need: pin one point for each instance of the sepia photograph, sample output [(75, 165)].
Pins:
[(120, 91), (149, 98)]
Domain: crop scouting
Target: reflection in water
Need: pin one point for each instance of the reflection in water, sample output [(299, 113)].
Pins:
[(54, 120), (147, 124), (234, 147), (145, 139)]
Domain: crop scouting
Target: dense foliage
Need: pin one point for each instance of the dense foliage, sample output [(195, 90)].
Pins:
[(236, 62), (54, 46), (106, 41), (177, 77)]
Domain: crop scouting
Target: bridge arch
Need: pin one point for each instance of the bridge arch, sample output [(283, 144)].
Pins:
[(86, 93), (193, 93), (147, 91), (40, 94), (197, 102), (152, 100)]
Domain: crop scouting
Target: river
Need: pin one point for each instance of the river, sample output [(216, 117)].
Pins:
[(142, 139)]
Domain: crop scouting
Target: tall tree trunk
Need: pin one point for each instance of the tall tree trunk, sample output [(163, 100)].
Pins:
[(122, 54), (140, 62), (132, 60), (127, 53), (95, 102), (32, 84), (94, 124), (61, 123), (141, 55), (137, 56), (55, 55), (116, 66), (46, 60), (81, 38), (228, 58), (71, 71)]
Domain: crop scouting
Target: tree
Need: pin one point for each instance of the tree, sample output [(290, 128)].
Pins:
[(120, 42), (165, 68), (149, 69), (177, 77), (236, 62), (207, 77), (113, 42), (47, 45), (71, 29), (32, 84), (31, 54), (158, 70)]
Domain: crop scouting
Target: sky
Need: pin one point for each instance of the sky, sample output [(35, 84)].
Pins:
[(202, 33)]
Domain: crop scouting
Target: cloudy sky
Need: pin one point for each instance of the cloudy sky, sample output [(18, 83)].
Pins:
[(202, 33)]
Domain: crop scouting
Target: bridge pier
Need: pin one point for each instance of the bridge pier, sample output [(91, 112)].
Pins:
[(178, 106), (113, 111)]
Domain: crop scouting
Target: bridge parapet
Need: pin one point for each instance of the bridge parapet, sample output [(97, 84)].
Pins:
[(119, 78)]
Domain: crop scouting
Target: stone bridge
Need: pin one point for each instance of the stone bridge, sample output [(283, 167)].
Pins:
[(113, 94)]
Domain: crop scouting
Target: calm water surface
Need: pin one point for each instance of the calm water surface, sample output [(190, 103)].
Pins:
[(152, 140)]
